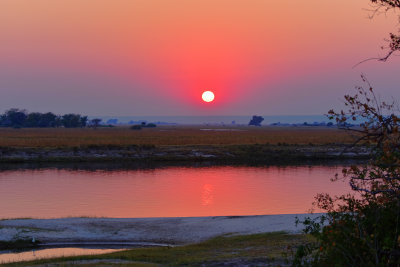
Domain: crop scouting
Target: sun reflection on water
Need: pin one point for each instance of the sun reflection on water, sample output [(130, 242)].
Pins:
[(207, 197)]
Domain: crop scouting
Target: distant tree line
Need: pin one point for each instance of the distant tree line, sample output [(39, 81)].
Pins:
[(18, 118), (143, 125)]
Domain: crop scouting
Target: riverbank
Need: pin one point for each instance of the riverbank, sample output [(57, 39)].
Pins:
[(280, 153), (150, 231), (236, 144)]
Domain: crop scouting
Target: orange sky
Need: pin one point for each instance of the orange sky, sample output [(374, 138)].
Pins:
[(152, 57)]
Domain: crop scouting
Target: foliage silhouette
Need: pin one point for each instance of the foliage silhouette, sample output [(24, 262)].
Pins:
[(362, 228), (95, 122), (256, 120), (18, 118)]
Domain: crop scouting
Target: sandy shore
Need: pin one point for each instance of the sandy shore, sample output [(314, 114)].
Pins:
[(150, 231)]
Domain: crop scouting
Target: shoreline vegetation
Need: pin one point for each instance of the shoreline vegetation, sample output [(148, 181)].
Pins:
[(240, 144)]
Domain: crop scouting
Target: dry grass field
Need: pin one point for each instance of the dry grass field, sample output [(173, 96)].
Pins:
[(170, 136)]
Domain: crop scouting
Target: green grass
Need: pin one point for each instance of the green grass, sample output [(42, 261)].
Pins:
[(247, 249)]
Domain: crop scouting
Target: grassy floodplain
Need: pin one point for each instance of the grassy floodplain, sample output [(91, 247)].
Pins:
[(227, 144), (170, 136)]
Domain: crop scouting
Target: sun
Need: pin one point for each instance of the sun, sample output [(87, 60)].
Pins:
[(207, 96)]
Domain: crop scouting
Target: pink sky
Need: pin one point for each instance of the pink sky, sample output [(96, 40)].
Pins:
[(156, 57)]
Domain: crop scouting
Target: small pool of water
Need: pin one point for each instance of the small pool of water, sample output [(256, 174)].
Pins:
[(47, 253)]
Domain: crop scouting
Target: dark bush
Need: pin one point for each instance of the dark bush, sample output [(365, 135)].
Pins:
[(362, 228), (136, 127), (256, 120)]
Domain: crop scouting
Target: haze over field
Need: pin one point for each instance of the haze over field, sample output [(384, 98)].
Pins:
[(156, 57)]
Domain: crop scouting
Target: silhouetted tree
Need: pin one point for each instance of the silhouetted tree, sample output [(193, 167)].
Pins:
[(33, 119), (394, 39), (36, 119), (256, 120), (83, 121), (73, 120), (21, 118), (14, 118), (58, 121), (95, 122), (2, 120), (363, 228), (48, 120)]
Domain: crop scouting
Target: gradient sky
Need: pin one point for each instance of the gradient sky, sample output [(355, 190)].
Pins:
[(156, 57)]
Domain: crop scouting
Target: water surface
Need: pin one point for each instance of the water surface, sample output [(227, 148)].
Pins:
[(164, 192), (51, 253)]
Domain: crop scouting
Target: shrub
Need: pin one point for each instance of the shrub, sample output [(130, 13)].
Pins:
[(362, 228), (136, 127)]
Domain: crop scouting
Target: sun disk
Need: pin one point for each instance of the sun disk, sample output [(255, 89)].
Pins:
[(207, 96)]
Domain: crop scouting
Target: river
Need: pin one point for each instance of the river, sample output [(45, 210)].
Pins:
[(164, 192)]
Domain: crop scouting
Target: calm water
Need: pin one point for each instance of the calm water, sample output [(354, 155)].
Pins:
[(164, 192), (51, 253)]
